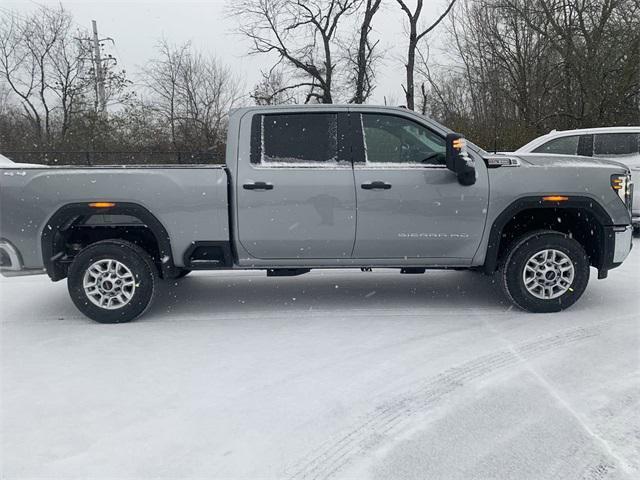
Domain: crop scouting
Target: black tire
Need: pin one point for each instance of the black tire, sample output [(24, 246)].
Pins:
[(511, 270), (636, 230), (183, 273), (140, 266)]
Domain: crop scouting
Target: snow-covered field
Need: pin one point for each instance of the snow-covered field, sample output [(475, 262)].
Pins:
[(329, 375)]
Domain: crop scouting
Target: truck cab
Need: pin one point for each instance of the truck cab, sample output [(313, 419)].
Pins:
[(338, 186)]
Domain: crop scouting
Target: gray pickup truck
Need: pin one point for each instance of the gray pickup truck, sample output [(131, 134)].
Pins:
[(320, 187)]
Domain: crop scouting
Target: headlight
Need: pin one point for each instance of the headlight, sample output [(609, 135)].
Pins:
[(623, 187)]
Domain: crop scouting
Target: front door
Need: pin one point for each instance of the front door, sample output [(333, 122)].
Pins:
[(410, 206), (296, 195)]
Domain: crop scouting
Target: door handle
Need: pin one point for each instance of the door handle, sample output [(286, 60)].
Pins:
[(376, 186), (258, 186)]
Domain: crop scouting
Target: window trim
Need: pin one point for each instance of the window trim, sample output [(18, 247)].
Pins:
[(360, 160), (341, 147)]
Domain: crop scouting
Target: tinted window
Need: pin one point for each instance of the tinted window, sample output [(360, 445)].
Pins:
[(561, 146), (616, 144), (391, 139), (288, 139)]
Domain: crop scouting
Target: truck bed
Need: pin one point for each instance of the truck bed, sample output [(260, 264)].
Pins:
[(190, 201)]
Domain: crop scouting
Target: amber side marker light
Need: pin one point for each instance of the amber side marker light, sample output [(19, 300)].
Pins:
[(617, 183), (555, 198), (102, 204)]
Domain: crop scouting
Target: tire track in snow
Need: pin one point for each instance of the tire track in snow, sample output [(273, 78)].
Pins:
[(393, 415), (599, 464), (618, 421), (175, 315)]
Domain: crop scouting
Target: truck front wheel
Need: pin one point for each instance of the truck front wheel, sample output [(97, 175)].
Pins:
[(112, 281), (544, 272)]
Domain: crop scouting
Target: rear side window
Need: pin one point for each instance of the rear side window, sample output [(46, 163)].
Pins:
[(309, 139), (612, 144), (560, 146)]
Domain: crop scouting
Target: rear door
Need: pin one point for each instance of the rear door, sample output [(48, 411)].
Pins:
[(296, 195), (410, 206)]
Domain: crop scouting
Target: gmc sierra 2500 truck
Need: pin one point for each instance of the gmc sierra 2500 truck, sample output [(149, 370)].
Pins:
[(320, 187)]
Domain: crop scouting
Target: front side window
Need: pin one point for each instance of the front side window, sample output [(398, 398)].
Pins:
[(390, 139), (560, 146), (309, 139), (613, 144)]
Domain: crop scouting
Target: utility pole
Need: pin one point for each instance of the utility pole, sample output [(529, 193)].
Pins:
[(101, 97)]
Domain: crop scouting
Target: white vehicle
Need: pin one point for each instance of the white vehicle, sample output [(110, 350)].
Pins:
[(7, 162), (614, 143)]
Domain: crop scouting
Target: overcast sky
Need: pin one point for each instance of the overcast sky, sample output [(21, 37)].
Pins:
[(136, 26)]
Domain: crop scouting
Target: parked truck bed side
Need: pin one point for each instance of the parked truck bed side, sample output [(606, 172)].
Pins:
[(188, 204)]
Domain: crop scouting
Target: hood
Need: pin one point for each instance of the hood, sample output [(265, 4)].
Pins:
[(567, 161)]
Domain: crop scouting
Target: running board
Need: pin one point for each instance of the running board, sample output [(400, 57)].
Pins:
[(286, 272), (412, 270)]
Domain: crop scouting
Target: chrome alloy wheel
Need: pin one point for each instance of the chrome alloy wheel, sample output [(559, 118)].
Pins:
[(109, 284), (548, 274)]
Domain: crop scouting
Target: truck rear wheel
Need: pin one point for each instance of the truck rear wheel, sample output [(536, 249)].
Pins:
[(544, 272), (112, 281)]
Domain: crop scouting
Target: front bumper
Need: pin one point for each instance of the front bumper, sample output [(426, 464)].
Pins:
[(616, 246), (623, 243)]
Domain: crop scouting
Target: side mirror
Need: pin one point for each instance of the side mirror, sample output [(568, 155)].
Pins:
[(458, 160)]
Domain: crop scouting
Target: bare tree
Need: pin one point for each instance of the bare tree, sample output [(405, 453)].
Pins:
[(272, 89), (587, 37), (519, 68), (40, 65), (302, 33), (161, 77), (46, 63), (415, 35), (363, 58), (69, 79), (193, 94)]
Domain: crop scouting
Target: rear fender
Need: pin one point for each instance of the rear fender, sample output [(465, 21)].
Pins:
[(64, 218)]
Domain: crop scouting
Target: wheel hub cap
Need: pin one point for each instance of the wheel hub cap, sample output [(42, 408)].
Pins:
[(109, 284), (548, 274)]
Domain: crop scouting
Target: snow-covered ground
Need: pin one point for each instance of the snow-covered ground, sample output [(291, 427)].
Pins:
[(329, 375)]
